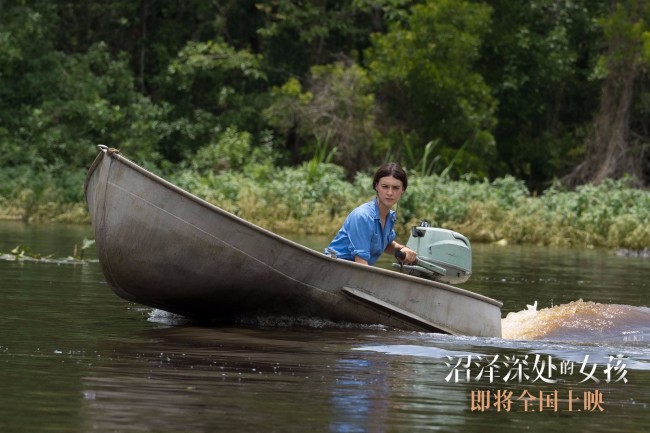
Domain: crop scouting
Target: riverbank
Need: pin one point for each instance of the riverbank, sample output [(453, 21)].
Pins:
[(43, 213), (301, 200)]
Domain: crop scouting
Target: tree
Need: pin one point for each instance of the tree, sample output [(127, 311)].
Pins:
[(298, 34), (427, 82), (614, 147), (211, 86), (337, 110), (60, 96), (27, 62), (537, 59)]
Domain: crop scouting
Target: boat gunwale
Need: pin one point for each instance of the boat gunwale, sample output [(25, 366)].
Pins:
[(104, 151)]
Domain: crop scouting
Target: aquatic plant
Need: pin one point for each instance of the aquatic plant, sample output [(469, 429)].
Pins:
[(25, 253), (86, 243)]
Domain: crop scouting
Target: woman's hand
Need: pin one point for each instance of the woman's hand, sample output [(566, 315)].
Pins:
[(411, 256)]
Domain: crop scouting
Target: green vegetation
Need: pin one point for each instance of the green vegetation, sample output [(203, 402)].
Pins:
[(525, 121), (315, 197), (301, 199)]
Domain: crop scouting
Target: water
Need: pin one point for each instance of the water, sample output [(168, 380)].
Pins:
[(76, 358)]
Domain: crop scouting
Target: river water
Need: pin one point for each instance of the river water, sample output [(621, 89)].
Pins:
[(575, 355)]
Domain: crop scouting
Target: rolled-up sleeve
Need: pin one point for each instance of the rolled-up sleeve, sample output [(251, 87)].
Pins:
[(360, 233)]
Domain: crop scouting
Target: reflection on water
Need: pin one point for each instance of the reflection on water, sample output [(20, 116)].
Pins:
[(301, 380), (359, 399), (213, 379), (76, 358)]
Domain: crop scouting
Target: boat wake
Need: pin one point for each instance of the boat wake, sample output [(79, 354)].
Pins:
[(579, 320), (166, 318), (303, 322), (583, 321)]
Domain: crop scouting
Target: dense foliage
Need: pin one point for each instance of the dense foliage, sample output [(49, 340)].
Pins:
[(315, 199), (290, 103)]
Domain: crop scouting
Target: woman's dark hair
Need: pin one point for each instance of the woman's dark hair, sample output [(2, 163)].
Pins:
[(390, 169)]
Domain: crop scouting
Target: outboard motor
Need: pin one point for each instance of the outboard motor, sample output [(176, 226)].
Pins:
[(442, 255)]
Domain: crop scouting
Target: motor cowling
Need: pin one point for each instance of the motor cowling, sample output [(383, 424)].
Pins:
[(442, 255)]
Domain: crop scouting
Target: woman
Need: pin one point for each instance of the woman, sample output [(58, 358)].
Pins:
[(369, 229)]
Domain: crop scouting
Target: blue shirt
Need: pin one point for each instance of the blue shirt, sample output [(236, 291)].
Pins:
[(362, 235)]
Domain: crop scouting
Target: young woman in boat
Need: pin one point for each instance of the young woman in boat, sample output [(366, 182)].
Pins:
[(368, 231)]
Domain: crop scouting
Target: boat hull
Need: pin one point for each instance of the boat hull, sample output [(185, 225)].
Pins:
[(160, 246)]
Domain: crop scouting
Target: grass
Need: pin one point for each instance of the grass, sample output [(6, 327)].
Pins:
[(313, 199)]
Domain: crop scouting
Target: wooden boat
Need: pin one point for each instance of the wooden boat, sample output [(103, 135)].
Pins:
[(163, 247)]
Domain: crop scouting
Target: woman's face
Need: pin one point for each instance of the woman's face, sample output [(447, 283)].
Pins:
[(389, 191)]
